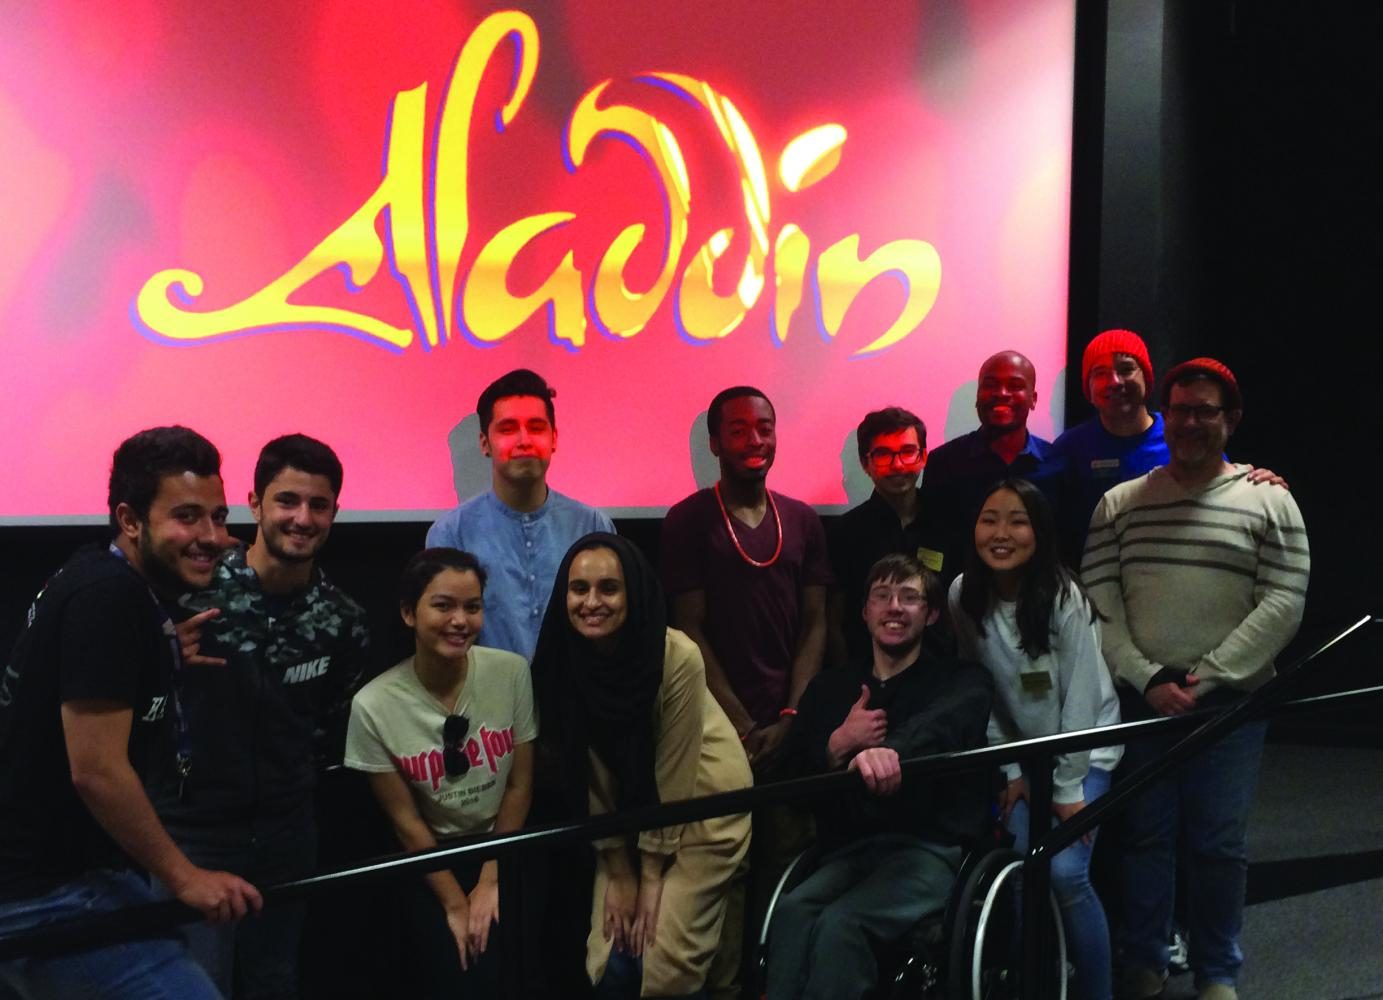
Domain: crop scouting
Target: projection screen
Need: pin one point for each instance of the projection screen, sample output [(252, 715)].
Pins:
[(347, 218)]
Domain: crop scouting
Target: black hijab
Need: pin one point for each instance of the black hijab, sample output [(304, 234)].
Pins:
[(588, 701)]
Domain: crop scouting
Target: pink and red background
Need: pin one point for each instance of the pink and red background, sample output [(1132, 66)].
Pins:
[(231, 139)]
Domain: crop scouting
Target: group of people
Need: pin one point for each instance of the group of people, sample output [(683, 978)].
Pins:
[(170, 700)]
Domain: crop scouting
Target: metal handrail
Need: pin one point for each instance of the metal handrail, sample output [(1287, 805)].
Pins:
[(1045, 841), (1219, 724), (152, 918)]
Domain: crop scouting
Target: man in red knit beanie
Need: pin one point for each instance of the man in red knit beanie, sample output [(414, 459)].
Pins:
[(1120, 442)]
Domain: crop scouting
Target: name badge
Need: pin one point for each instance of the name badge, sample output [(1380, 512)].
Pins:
[(1104, 463), (930, 558), (1036, 681)]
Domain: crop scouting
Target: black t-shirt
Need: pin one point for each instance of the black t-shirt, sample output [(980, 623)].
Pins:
[(94, 632)]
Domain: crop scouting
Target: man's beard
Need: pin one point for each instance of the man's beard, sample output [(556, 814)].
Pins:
[(272, 546), (165, 579)]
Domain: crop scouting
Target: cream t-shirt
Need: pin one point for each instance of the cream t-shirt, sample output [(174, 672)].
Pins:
[(396, 725)]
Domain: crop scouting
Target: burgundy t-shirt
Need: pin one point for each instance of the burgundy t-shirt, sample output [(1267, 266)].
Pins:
[(753, 614)]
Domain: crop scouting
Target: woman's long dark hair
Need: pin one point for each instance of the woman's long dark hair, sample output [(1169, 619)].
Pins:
[(589, 701), (1043, 581)]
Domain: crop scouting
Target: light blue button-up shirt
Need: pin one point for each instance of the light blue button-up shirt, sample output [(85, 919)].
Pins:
[(520, 553)]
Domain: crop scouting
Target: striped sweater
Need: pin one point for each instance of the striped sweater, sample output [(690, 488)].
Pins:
[(1210, 581)]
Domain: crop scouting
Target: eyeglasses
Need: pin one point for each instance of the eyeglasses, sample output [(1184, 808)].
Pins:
[(454, 757), (1202, 414), (909, 454), (907, 596)]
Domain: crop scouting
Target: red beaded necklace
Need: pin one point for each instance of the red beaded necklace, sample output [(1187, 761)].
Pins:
[(730, 527)]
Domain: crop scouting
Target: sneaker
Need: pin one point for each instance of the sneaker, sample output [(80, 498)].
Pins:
[(1217, 991), (1139, 983)]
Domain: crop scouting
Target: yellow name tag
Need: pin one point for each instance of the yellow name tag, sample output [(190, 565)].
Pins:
[(1036, 681), (930, 558)]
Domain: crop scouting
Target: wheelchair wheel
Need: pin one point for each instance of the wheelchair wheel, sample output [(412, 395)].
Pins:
[(798, 869), (985, 948)]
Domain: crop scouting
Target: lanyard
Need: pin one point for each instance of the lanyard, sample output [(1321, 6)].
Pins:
[(164, 621)]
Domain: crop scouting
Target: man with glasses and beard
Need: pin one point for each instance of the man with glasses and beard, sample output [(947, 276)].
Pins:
[(275, 651), (89, 715), (1201, 578)]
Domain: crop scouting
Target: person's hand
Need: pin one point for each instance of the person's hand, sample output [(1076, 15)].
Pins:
[(646, 913), (190, 639), (1065, 810), (621, 896), (1172, 698), (753, 742), (1013, 792), (879, 768), (863, 727), (484, 907), (1268, 476), (771, 741), (220, 896), (459, 923)]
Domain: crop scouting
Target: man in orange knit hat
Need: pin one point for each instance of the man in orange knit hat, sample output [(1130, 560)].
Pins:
[(1120, 442)]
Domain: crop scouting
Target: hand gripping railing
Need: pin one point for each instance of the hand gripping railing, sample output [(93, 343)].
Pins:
[(150, 919)]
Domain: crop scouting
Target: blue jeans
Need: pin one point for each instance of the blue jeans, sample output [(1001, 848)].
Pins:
[(1082, 913), (152, 969), (1206, 802)]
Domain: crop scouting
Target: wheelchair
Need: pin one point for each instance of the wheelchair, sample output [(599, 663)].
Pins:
[(971, 950)]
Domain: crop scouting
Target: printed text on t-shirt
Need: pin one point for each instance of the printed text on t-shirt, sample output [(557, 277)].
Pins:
[(486, 749)]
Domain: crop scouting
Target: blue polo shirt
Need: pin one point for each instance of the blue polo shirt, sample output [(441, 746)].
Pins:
[(520, 553), (1096, 460), (956, 480)]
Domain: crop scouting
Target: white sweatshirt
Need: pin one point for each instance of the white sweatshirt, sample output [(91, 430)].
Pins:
[(1077, 694)]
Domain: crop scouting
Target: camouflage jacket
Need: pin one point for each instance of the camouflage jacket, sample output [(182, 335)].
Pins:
[(261, 726)]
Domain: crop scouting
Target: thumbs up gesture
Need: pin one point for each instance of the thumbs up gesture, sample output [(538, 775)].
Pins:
[(864, 727)]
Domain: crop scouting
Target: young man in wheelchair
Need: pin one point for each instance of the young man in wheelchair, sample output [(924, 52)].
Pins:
[(887, 859)]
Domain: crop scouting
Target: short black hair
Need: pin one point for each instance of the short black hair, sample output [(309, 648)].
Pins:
[(897, 567), (887, 421), (519, 382), (143, 460), (713, 415), (297, 451), (427, 564)]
